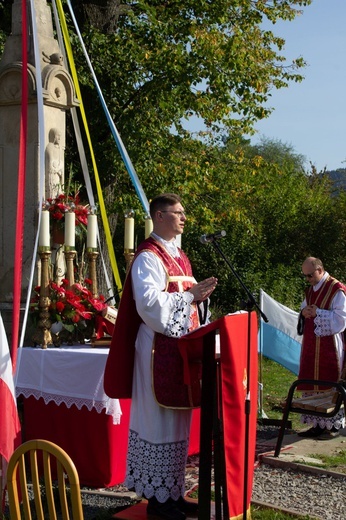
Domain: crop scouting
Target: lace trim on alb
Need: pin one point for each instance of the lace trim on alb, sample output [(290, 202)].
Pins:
[(322, 322), (111, 406), (156, 470), (337, 421), (179, 323)]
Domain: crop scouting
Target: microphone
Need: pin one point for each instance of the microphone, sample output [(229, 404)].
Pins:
[(206, 239)]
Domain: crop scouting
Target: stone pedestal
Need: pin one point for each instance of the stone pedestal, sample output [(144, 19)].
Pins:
[(58, 97)]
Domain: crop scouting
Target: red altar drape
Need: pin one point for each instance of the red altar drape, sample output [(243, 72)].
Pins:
[(96, 445)]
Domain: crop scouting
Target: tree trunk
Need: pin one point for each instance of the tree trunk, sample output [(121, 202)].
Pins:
[(102, 14)]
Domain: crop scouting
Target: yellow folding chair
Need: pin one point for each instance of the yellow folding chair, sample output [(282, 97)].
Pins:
[(55, 461)]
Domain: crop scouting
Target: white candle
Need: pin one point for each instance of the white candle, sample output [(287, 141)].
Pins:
[(129, 238), (70, 223), (148, 227), (92, 232), (43, 238)]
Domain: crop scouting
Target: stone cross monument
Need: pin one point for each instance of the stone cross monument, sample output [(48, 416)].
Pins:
[(58, 97)]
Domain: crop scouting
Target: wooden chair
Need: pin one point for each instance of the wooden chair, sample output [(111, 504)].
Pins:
[(35, 452), (325, 404)]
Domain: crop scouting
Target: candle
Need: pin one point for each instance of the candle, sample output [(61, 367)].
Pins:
[(92, 232), (44, 239), (148, 226), (129, 238), (70, 222)]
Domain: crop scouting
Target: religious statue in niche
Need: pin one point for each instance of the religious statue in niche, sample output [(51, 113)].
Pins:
[(53, 59), (54, 157)]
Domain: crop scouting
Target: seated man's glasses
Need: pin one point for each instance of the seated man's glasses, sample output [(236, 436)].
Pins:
[(310, 275)]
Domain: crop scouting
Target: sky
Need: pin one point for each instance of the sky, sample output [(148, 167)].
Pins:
[(311, 115)]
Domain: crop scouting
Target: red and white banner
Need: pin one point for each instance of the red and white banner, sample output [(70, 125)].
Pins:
[(10, 436)]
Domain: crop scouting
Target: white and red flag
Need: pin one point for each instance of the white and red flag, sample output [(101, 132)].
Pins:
[(10, 436)]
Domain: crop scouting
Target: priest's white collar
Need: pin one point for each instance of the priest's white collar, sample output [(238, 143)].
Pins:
[(170, 245)]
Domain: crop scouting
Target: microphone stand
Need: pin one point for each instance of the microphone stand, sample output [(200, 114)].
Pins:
[(249, 304)]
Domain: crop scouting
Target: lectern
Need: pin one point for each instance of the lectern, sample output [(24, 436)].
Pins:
[(228, 411)]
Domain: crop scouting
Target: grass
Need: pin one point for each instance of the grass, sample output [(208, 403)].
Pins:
[(263, 513), (276, 381), (332, 462)]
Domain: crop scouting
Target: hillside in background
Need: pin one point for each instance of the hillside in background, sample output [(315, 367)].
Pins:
[(338, 177)]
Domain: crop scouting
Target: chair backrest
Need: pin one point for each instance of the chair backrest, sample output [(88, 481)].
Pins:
[(56, 463)]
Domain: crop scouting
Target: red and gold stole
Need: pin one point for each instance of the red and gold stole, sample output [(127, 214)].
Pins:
[(319, 358)]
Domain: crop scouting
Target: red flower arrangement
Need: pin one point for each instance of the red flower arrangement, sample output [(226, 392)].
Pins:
[(75, 308), (64, 203)]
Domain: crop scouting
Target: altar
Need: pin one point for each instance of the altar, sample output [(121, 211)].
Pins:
[(64, 402)]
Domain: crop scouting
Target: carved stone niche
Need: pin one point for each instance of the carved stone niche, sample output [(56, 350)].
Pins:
[(58, 89), (11, 83)]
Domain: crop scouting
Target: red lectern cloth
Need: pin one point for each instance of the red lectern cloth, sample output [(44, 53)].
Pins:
[(236, 371)]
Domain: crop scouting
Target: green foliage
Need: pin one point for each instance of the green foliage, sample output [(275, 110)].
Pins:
[(274, 215), (5, 22), (161, 63)]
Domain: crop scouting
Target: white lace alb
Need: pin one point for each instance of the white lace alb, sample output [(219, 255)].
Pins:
[(322, 323), (179, 323), (156, 470)]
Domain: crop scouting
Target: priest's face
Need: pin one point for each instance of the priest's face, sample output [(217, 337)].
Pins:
[(170, 221), (312, 275)]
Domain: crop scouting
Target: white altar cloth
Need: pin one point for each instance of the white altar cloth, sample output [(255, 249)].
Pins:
[(69, 375)]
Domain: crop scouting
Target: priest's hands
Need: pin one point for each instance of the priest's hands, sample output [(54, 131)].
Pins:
[(202, 290), (309, 311)]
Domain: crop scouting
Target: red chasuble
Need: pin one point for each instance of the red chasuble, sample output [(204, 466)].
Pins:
[(319, 358), (167, 364)]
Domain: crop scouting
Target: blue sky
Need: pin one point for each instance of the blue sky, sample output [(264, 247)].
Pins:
[(311, 116)]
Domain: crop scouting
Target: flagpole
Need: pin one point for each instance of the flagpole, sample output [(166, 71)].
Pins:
[(262, 414)]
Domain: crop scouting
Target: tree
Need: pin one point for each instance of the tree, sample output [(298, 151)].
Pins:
[(275, 214), (160, 62)]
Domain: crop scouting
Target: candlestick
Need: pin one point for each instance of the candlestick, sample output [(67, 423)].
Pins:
[(129, 236), (92, 232), (69, 257), (92, 256), (43, 336), (128, 259), (44, 239), (70, 225), (148, 225)]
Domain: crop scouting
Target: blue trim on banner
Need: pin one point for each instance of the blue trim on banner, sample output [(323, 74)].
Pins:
[(280, 347)]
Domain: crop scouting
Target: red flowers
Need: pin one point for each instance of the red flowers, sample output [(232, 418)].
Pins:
[(59, 306), (74, 308), (64, 203)]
